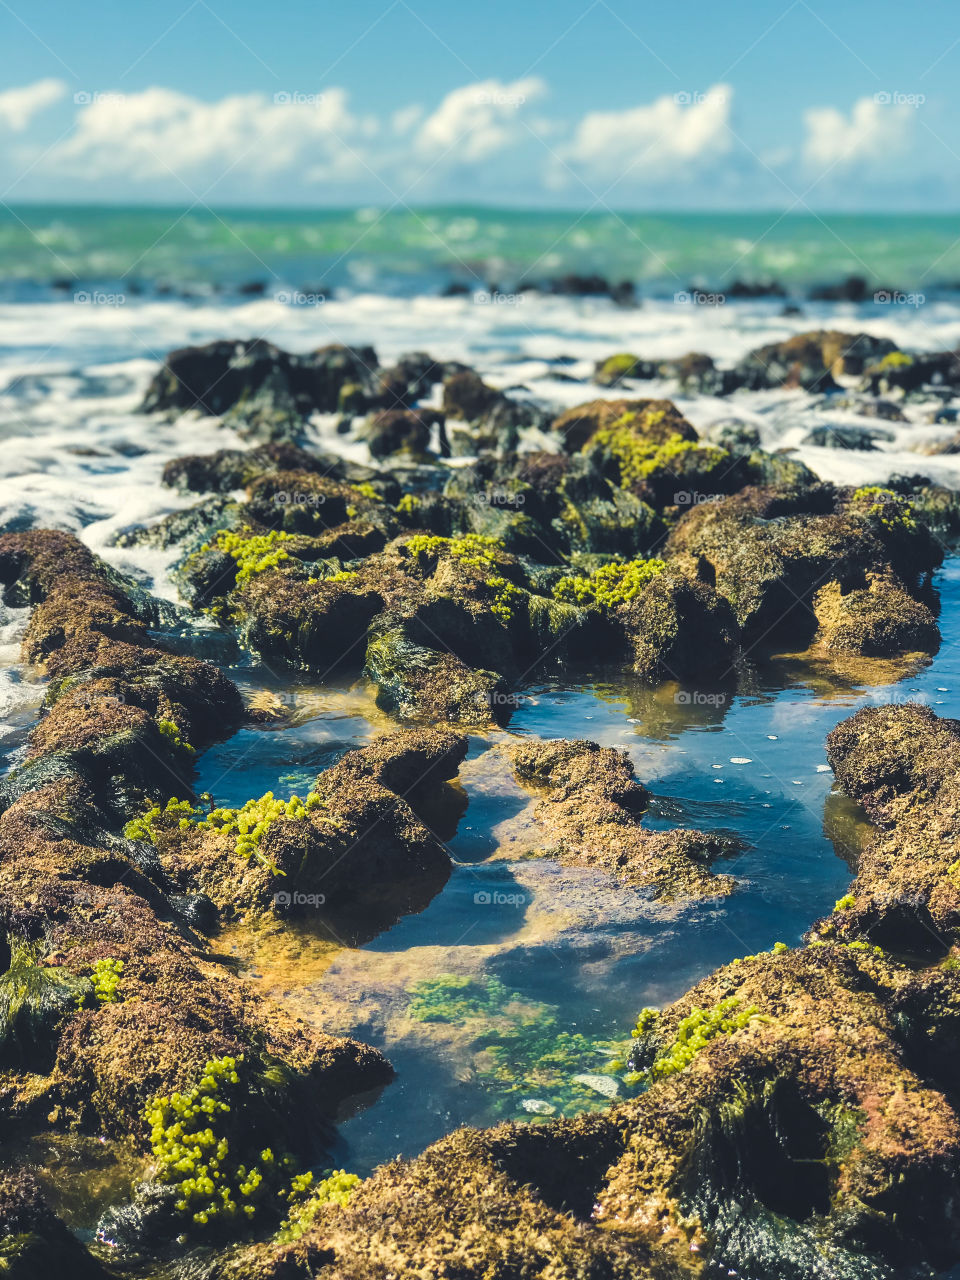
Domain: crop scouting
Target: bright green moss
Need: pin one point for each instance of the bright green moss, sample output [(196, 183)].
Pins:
[(366, 490), (253, 552), (171, 730), (844, 903), (451, 997), (407, 506), (473, 549), (191, 1151), (105, 975), (890, 509), (247, 824), (506, 595), (778, 949), (638, 457), (616, 367), (647, 1019), (896, 360), (696, 1030), (477, 552), (307, 1198), (610, 585)]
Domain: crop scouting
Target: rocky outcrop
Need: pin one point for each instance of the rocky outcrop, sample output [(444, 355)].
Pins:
[(591, 816), (901, 763)]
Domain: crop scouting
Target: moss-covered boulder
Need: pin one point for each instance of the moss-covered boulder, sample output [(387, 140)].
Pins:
[(812, 360), (901, 763)]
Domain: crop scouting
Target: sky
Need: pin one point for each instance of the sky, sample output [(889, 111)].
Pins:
[(573, 103)]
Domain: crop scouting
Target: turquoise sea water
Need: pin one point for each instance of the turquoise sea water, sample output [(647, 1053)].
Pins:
[(421, 250)]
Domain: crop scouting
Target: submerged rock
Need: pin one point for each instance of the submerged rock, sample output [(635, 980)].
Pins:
[(591, 815)]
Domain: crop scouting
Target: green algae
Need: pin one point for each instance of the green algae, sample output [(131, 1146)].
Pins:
[(610, 584), (193, 1151), (105, 974), (308, 1197), (529, 1062), (34, 1001), (248, 824), (696, 1030)]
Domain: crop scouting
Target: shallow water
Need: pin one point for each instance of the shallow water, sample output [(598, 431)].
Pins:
[(573, 946)]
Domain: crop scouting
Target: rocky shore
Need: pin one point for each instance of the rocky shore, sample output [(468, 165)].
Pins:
[(793, 1115)]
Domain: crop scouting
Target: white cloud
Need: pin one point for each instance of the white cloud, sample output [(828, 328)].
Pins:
[(875, 130), (19, 106), (661, 139), (478, 120), (159, 132)]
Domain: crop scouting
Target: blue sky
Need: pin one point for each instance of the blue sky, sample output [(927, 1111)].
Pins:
[(571, 103)]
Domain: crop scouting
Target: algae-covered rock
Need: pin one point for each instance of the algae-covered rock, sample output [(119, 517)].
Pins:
[(35, 999), (258, 383), (591, 816), (811, 360), (654, 420), (877, 620), (770, 552), (317, 625), (420, 683), (401, 430), (677, 629), (901, 763)]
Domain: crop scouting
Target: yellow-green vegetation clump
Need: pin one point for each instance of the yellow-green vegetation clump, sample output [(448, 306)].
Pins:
[(891, 509), (366, 490), (307, 1198), (105, 974), (844, 903), (248, 824), (696, 1030), (190, 1153), (253, 552), (407, 506), (473, 549), (896, 360), (477, 552), (778, 949), (638, 457), (170, 729), (610, 585)]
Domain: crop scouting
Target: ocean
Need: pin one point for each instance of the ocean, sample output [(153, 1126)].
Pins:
[(92, 299), (415, 251)]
